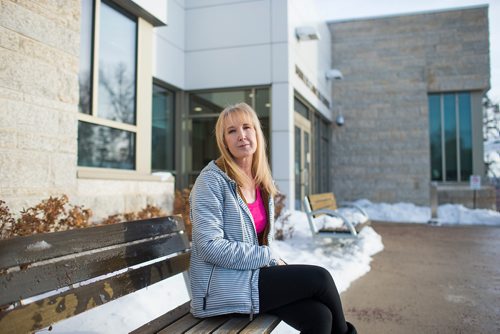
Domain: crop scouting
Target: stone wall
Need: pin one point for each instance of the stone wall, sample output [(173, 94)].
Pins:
[(39, 55), (39, 47), (389, 65)]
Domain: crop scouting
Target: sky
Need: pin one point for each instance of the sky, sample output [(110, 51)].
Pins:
[(346, 264), (336, 10)]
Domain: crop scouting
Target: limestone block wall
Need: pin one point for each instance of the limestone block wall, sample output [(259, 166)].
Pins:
[(39, 47), (39, 55), (390, 64)]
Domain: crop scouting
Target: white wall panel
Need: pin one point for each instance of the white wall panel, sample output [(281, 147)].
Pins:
[(312, 57), (280, 69), (232, 67), (175, 29), (236, 24), (209, 3), (279, 20), (168, 63), (169, 47)]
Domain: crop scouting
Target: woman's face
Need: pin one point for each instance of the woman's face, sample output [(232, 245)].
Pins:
[(239, 136)]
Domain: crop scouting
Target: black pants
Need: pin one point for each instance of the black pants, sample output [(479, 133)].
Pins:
[(303, 296)]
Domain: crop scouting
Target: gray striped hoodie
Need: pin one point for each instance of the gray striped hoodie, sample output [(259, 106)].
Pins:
[(225, 253)]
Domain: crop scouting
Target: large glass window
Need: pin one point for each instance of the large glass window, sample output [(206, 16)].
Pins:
[(321, 172), (102, 146), (204, 108), (117, 63), (107, 127), (163, 133), (450, 133)]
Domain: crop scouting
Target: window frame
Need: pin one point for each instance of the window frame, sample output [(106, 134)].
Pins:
[(143, 90), (456, 95)]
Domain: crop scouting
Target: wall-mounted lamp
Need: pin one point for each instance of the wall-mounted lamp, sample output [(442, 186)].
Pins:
[(306, 33), (334, 74), (340, 119)]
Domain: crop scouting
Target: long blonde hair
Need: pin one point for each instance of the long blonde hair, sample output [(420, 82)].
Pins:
[(260, 165)]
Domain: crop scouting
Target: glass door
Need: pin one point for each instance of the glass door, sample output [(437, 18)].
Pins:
[(302, 139)]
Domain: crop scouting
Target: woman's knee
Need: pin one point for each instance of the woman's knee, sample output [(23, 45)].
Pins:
[(321, 275)]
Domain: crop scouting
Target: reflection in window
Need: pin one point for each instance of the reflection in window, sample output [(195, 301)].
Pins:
[(163, 139), (205, 107), (117, 65), (204, 146), (215, 102), (84, 74), (450, 131), (298, 164), (301, 108), (464, 103), (321, 172), (101, 146)]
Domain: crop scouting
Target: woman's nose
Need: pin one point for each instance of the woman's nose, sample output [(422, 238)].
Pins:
[(241, 134)]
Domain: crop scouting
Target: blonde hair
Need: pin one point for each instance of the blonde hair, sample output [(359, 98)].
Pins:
[(260, 165)]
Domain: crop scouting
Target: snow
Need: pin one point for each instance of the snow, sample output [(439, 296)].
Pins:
[(38, 246), (346, 261)]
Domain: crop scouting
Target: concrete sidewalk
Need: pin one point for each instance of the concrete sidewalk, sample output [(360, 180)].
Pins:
[(429, 279)]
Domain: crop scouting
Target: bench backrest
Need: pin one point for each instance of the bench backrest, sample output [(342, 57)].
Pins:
[(322, 201), (134, 252)]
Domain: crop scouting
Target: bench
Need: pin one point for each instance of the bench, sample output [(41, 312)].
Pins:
[(317, 205), (41, 276)]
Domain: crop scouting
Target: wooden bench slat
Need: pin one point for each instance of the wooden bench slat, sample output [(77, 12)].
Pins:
[(208, 325), (16, 251), (181, 325), (233, 325), (43, 313), (322, 201), (35, 280), (163, 321), (264, 324)]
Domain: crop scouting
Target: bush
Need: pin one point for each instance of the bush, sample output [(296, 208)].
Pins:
[(57, 214)]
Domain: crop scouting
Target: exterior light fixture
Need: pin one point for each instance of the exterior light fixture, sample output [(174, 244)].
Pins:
[(334, 74), (307, 33)]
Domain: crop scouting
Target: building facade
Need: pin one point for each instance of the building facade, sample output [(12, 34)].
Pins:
[(412, 103), (113, 102)]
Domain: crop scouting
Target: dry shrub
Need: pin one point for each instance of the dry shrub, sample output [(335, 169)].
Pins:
[(50, 215), (57, 214), (283, 228), (279, 204), (150, 211), (6, 221), (181, 207)]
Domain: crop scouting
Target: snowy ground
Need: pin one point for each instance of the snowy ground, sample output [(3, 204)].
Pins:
[(346, 261)]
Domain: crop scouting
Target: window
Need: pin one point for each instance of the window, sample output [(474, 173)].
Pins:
[(163, 135), (321, 130), (114, 119), (204, 108), (450, 129)]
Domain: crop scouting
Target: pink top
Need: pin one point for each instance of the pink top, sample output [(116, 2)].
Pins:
[(258, 212)]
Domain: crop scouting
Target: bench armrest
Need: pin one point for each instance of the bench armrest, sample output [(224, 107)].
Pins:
[(331, 213), (355, 206)]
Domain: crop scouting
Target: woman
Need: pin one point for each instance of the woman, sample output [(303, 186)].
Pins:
[(233, 267)]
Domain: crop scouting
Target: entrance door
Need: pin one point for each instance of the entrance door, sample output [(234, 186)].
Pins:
[(302, 159)]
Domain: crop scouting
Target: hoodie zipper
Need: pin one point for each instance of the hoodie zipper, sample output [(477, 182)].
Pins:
[(252, 311), (208, 288)]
